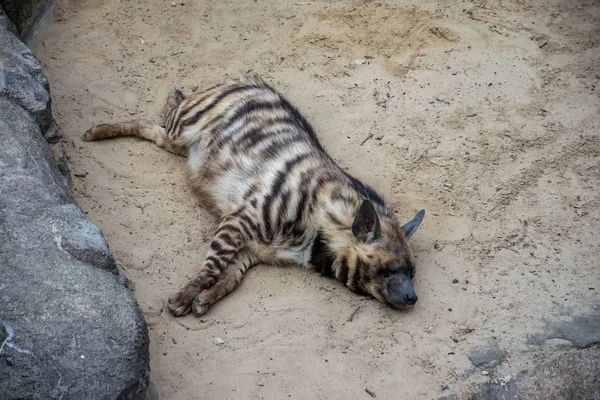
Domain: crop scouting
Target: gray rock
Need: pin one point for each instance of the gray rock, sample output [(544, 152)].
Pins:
[(152, 392), (452, 396), (569, 375), (487, 355), (573, 375), (557, 343), (579, 331), (6, 23), (23, 81), (53, 133), (28, 175), (69, 326), (62, 163), (25, 13)]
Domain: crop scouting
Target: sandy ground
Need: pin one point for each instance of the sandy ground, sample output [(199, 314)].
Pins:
[(486, 114)]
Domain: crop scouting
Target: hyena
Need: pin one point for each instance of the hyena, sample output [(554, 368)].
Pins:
[(256, 162)]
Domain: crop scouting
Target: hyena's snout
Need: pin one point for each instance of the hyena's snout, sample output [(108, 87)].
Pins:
[(400, 293)]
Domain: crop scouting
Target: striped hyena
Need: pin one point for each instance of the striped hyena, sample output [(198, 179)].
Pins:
[(255, 161)]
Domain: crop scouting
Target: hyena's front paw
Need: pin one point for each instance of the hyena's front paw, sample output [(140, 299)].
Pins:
[(201, 305), (181, 303)]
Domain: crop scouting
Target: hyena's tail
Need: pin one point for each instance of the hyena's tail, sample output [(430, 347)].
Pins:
[(140, 128)]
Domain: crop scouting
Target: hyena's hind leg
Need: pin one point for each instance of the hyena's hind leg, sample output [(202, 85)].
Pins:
[(145, 129), (140, 128), (230, 279), (230, 240)]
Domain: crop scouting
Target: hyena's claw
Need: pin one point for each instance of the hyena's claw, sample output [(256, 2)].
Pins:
[(200, 306), (180, 304)]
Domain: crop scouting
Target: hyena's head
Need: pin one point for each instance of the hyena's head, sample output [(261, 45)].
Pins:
[(384, 259)]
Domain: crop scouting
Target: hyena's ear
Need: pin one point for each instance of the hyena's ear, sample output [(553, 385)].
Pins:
[(411, 226), (175, 97), (366, 226)]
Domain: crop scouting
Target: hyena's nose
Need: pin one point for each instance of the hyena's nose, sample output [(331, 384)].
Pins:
[(411, 298)]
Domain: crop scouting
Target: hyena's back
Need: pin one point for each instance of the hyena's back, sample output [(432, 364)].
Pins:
[(248, 145)]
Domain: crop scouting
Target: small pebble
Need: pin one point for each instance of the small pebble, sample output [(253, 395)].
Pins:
[(485, 372), (455, 281), (173, 3), (284, 279), (220, 340), (444, 386)]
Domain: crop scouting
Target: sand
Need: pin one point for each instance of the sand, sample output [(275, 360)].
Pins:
[(485, 114)]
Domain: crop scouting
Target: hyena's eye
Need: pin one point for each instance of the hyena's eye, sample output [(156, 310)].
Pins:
[(385, 272)]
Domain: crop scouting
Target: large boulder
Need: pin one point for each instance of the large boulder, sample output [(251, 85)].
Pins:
[(573, 374), (23, 81), (70, 327), (25, 13)]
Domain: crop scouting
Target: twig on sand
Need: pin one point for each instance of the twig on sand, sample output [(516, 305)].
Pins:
[(365, 141), (370, 393), (351, 317)]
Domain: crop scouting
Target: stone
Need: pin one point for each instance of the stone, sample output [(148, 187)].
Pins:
[(70, 327), (62, 163), (578, 330), (152, 392), (486, 355), (25, 13), (571, 375), (557, 343), (452, 396), (6, 22), (67, 316), (23, 81)]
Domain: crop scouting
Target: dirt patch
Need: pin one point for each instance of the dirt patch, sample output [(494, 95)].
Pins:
[(489, 120), (364, 32)]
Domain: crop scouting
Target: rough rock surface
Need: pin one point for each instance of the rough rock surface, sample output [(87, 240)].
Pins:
[(23, 81), (69, 326), (25, 13), (573, 374), (487, 355), (578, 331)]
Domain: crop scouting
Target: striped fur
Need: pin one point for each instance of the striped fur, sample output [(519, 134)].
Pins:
[(256, 162)]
